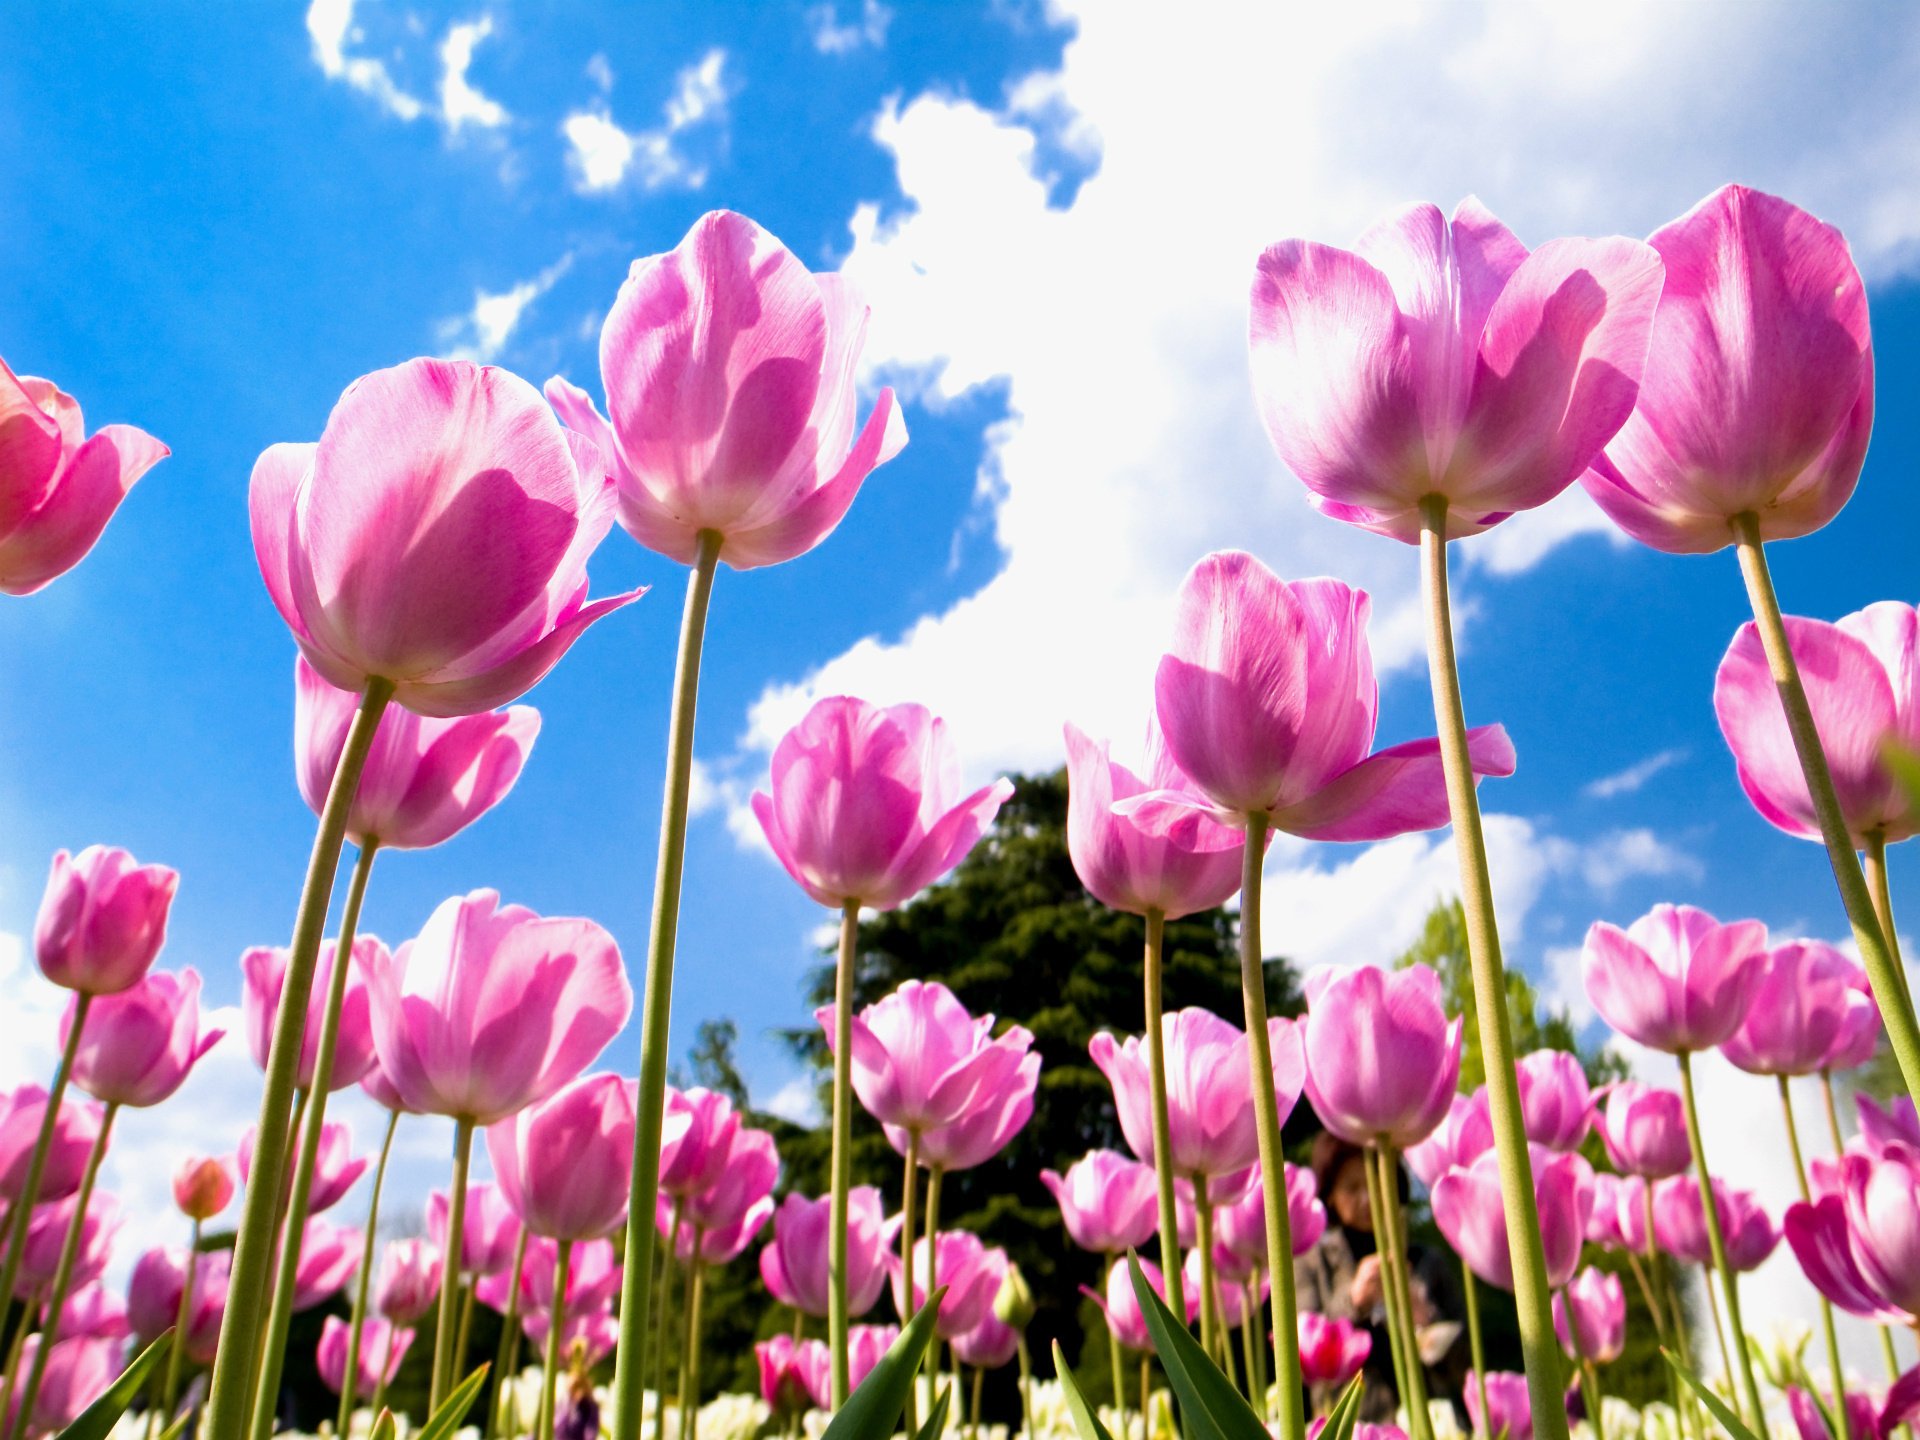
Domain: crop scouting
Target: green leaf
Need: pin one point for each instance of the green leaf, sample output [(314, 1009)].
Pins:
[(1212, 1407), (179, 1425), (96, 1422), (383, 1425), (1717, 1407), (1084, 1420), (1345, 1413), (936, 1425), (870, 1412), (444, 1421)]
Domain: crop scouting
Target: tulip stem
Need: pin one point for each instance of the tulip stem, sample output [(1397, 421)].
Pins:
[(307, 1153), (22, 1214), (1826, 1308), (837, 1318), (1291, 1417), (629, 1374), (1255, 1313), (1876, 953), (504, 1354), (231, 1393), (63, 1277), (1398, 1277), (690, 1367), (1377, 1208), (1119, 1384), (1026, 1386), (350, 1380), (1590, 1386), (657, 1338), (907, 1301), (176, 1353), (15, 1348), (1534, 1304), (448, 1321), (1157, 1084), (556, 1324), (1476, 1342), (1203, 1243), (1877, 882), (1256, 1393), (1716, 1239)]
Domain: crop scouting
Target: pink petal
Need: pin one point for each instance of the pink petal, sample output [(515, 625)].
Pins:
[(641, 514), (83, 497), (1394, 791), (513, 677), (945, 845), (30, 449)]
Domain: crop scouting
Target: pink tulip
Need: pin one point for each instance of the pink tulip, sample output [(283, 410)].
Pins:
[(1362, 1430), (102, 920), (1439, 358), (1897, 1122), (1800, 1010), (1882, 1199), (1862, 677), (489, 1232), (1209, 1093), (563, 1164), (78, 1372), (153, 1298), (867, 805), (988, 1346), (1222, 1191), (425, 780), (1240, 1228), (996, 1115), (1510, 1414), (379, 1089), (1860, 1031), (783, 1379), (729, 373), (752, 1165), (920, 1061), (709, 1123), (1382, 1058), (1863, 1421), (47, 1233), (1125, 865), (1598, 1307), (58, 485), (593, 1279), (1468, 1209), (1554, 1099), (22, 1112), (1680, 1225), (1458, 1140), (1603, 1224), (1331, 1351), (383, 1347), (1122, 1306), (719, 1244), (794, 1263), (1676, 979), (969, 1271), (1230, 1275), (597, 1333), (1268, 702), (203, 1186), (436, 537), (263, 972), (329, 1254), (336, 1169), (139, 1044), (408, 1281), (94, 1310), (1822, 1238), (1644, 1129), (866, 1344), (493, 1007), (1758, 390), (1109, 1203)]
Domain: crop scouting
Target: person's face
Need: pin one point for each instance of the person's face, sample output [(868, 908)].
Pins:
[(1349, 1195)]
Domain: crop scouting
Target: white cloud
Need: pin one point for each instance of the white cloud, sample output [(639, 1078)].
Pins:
[(830, 37), (1631, 779), (460, 103), (603, 153), (797, 1100), (483, 332), (331, 28)]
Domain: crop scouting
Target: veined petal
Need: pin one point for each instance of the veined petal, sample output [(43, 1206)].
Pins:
[(1393, 792)]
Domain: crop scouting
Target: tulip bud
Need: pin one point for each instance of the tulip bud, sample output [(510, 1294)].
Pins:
[(202, 1186), (1014, 1306)]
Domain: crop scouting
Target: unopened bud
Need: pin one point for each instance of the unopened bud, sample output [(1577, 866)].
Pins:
[(1013, 1306)]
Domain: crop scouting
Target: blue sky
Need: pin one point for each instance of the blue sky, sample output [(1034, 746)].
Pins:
[(213, 219)]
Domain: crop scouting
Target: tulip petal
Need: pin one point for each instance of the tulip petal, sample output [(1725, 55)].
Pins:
[(1393, 792), (30, 447), (514, 676), (1817, 1234)]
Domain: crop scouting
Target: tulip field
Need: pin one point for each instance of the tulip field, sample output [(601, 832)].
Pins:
[(1312, 1219)]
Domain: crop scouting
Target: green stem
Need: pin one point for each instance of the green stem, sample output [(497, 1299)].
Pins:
[(663, 1318), (979, 1376), (1291, 1417), (1476, 1342), (1826, 1309), (176, 1353), (1255, 1327), (231, 1393), (907, 1305), (690, 1367), (1716, 1239), (629, 1374), (1026, 1387), (465, 1335), (1833, 1113), (556, 1322), (1396, 1343), (1157, 1082), (1590, 1384), (1883, 968), (307, 1153), (503, 1355), (1113, 1353), (386, 1368), (1176, 1282), (22, 1215), (1538, 1344), (930, 1361), (448, 1321), (364, 1280), (1882, 889), (1256, 1392), (838, 1319), (15, 1348), (1400, 1281), (63, 1276)]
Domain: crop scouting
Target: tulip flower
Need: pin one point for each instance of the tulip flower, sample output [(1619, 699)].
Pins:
[(328, 1255), (593, 1278), (1463, 1136), (336, 1169), (1554, 1100), (1507, 1412), (1468, 1208), (263, 973), (596, 1334), (1603, 1224), (1331, 1350), (1676, 979), (73, 1374), (1644, 1129), (425, 779), (1240, 1227), (153, 1297), (970, 1272), (102, 920), (1382, 1058), (47, 1233), (1895, 1123), (564, 1163), (987, 1346), (1858, 1244), (920, 1061), (75, 1129), (709, 1123), (1680, 1225), (203, 1186), (383, 1347), (95, 1310), (139, 1044), (1590, 1316), (490, 1230), (1863, 1420), (1862, 678), (1800, 1010), (751, 1167), (1124, 1315), (1362, 1430), (409, 1280), (783, 1379), (794, 1262), (866, 1345), (58, 485), (996, 1115), (1106, 1200)]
